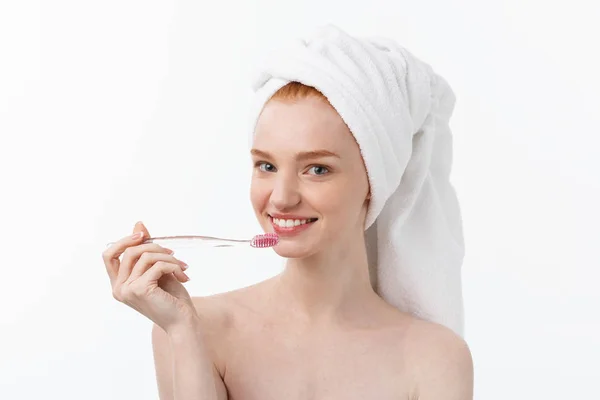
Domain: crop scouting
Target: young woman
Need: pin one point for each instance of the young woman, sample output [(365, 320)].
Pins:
[(318, 330)]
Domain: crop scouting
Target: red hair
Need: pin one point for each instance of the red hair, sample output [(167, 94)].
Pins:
[(295, 91)]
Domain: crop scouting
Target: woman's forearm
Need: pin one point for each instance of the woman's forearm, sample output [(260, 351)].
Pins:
[(193, 370)]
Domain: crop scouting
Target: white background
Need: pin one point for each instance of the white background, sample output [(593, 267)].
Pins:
[(117, 111)]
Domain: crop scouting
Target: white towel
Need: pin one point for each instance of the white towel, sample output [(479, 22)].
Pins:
[(398, 110)]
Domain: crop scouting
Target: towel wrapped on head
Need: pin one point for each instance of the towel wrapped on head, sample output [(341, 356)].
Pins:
[(398, 110)]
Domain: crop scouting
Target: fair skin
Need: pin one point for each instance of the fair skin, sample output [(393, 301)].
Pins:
[(317, 330)]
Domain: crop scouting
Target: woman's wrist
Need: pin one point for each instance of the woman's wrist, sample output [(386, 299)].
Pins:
[(186, 329)]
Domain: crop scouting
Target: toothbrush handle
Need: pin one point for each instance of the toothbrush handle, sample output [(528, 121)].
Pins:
[(207, 240), (192, 239)]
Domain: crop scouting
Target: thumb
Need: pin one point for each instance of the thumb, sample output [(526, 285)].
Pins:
[(140, 227)]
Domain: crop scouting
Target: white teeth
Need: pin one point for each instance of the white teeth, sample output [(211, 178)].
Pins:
[(289, 223)]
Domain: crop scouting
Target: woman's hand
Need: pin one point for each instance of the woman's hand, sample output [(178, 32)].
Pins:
[(148, 279)]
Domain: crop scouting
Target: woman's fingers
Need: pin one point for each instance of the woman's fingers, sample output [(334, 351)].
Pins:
[(147, 260), (140, 288), (138, 257), (140, 227), (132, 255), (111, 254), (158, 270), (181, 276)]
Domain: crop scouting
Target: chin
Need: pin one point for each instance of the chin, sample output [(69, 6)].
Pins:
[(290, 250), (290, 247)]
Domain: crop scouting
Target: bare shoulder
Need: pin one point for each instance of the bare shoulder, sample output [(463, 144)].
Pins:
[(222, 312), (441, 362), (216, 312), (220, 308), (220, 315)]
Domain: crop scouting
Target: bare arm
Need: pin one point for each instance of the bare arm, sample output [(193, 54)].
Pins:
[(451, 379), (443, 367), (184, 369)]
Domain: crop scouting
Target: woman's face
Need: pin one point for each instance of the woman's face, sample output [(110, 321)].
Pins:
[(309, 182)]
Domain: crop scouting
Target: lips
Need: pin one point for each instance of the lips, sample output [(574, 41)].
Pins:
[(288, 229)]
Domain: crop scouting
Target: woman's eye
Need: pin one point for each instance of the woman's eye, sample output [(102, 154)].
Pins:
[(266, 167), (319, 170)]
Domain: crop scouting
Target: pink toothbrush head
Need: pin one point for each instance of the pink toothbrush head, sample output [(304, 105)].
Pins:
[(265, 240)]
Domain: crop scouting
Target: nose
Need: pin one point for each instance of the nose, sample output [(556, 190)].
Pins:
[(285, 194)]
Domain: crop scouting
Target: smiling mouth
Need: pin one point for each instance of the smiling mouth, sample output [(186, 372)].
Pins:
[(291, 223)]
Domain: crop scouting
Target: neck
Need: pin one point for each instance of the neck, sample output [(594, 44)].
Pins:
[(332, 284)]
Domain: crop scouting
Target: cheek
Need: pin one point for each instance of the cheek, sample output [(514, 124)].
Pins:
[(259, 194), (344, 201), (331, 199)]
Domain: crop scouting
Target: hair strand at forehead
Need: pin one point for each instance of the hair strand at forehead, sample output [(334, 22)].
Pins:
[(297, 91)]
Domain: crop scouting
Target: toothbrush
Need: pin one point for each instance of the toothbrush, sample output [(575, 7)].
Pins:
[(258, 241)]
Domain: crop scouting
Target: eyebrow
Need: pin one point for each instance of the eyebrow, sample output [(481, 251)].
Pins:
[(301, 156)]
